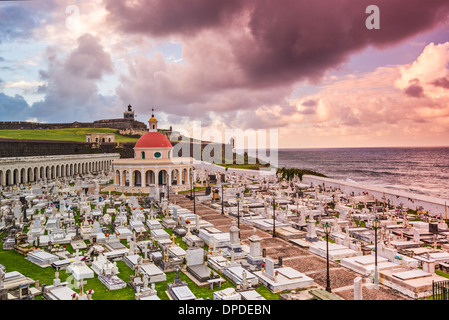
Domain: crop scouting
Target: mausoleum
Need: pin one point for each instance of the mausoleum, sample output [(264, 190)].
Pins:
[(153, 167)]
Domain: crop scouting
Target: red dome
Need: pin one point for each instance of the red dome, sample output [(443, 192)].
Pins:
[(153, 140)]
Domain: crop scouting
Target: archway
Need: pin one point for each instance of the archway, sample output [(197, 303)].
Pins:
[(150, 177), (125, 178), (8, 178), (22, 175), (174, 177), (137, 178), (15, 177), (162, 177), (29, 175), (117, 178), (184, 176)]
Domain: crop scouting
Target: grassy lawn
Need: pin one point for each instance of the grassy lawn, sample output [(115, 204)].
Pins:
[(196, 189), (244, 166), (14, 261), (70, 134)]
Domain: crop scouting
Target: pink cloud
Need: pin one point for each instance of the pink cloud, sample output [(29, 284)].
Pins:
[(273, 42)]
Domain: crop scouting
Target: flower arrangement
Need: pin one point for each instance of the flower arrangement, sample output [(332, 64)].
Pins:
[(187, 221), (90, 291)]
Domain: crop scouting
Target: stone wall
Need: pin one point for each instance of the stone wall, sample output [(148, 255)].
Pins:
[(28, 148), (108, 123)]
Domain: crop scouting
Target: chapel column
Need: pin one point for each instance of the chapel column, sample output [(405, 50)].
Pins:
[(130, 177)]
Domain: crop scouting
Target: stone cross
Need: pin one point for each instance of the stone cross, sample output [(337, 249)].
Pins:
[(173, 237), (145, 251), (82, 283), (77, 256)]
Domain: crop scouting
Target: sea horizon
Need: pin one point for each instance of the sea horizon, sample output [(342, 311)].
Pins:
[(419, 170)]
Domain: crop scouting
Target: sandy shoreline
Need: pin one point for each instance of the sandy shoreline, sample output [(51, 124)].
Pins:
[(434, 206)]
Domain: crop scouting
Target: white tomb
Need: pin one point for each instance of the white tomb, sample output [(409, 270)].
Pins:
[(282, 279)]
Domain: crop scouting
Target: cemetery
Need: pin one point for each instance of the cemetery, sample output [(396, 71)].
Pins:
[(245, 237)]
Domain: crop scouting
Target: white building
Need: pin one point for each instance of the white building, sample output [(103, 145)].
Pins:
[(31, 169), (153, 165)]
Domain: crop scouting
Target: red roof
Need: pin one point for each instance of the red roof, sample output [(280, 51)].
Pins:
[(153, 140)]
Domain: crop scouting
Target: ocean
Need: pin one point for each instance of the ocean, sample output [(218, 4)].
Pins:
[(422, 171)]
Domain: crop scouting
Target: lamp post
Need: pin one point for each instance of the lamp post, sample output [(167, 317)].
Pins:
[(193, 176), (194, 208), (238, 212), (191, 184), (274, 215), (327, 230), (376, 225), (222, 199)]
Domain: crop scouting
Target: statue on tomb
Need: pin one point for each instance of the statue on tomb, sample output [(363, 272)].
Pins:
[(2, 277), (145, 281)]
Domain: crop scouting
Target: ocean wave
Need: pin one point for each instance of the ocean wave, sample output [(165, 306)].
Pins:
[(373, 172), (420, 170)]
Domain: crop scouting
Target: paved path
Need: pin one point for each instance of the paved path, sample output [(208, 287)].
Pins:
[(314, 266)]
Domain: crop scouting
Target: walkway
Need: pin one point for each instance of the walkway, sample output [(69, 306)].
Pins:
[(341, 278)]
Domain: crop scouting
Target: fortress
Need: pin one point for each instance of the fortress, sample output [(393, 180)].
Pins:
[(95, 143), (126, 124)]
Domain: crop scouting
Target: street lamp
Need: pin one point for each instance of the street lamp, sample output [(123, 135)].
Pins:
[(194, 196), (191, 184), (274, 215), (327, 230), (222, 199), (238, 212), (376, 225)]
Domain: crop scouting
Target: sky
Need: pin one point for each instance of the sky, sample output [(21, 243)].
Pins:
[(309, 70)]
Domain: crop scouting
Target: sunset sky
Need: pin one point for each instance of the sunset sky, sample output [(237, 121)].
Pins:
[(308, 68)]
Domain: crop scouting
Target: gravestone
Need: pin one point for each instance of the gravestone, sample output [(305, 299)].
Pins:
[(178, 290), (311, 229), (269, 268), (254, 256), (234, 244), (196, 265), (358, 284)]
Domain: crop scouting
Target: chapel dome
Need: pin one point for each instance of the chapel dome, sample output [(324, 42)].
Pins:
[(153, 140)]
